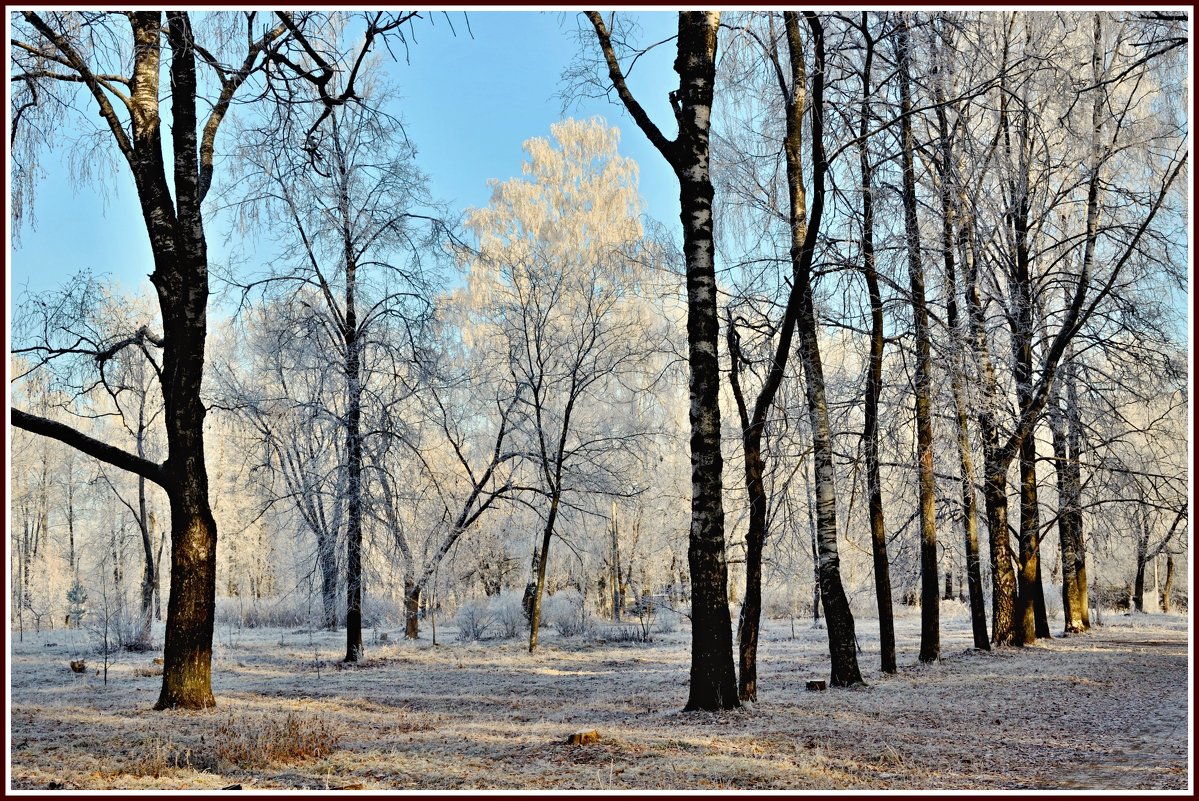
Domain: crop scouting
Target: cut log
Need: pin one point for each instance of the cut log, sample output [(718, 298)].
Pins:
[(583, 738), (817, 685)]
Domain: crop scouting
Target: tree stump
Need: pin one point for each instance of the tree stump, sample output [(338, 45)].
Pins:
[(816, 685), (583, 738)]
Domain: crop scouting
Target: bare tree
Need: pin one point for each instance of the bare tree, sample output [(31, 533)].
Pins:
[(555, 278), (874, 375), (930, 616), (285, 391), (53, 55), (353, 209), (957, 336), (713, 679), (464, 453), (790, 77), (1031, 235)]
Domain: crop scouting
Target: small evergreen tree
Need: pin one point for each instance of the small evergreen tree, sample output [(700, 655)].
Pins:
[(76, 604)]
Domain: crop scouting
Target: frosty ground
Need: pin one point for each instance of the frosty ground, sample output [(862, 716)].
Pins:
[(1103, 710)]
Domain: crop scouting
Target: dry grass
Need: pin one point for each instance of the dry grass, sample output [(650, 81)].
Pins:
[(257, 741), (1105, 710)]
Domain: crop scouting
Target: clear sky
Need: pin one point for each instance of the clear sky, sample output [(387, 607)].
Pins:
[(468, 102)]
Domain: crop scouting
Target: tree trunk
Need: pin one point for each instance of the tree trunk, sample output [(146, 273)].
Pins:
[(958, 337), (327, 561), (838, 617), (713, 680), (1168, 587), (187, 654), (1003, 576), (804, 233), (1072, 604), (411, 609), (755, 540), (353, 366), (1040, 611), (1030, 527), (617, 579), (539, 587), (181, 279), (148, 577), (1142, 555), (526, 601), (930, 608), (874, 378), (995, 502), (815, 560), (71, 559), (162, 541)]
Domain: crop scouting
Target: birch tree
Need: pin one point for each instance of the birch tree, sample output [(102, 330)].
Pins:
[(352, 209), (1049, 217), (113, 64), (553, 285), (713, 679)]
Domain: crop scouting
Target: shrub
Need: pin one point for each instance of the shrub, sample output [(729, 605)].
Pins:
[(508, 614), (117, 626), (473, 620), (159, 756), (567, 613), (285, 612), (668, 620)]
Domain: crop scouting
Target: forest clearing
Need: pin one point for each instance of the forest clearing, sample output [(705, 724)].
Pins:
[(1104, 710)]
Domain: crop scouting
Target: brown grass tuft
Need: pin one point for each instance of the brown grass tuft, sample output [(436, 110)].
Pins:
[(260, 740)]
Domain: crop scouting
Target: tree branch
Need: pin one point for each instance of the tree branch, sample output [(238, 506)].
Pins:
[(651, 131), (92, 447)]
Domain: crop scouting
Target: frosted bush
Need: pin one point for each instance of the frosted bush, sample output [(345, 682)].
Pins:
[(508, 614), (382, 612), (473, 620), (1053, 602), (667, 620), (285, 612), (567, 613)]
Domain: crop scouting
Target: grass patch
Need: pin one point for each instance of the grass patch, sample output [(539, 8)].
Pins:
[(255, 741)]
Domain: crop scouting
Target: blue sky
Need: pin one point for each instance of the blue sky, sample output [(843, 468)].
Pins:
[(468, 102)]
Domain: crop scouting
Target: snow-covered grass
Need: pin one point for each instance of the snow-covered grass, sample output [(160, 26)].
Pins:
[(1107, 709)]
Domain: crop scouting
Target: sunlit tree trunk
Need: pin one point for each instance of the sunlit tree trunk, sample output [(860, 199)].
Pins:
[(412, 593), (547, 534), (1168, 586)]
